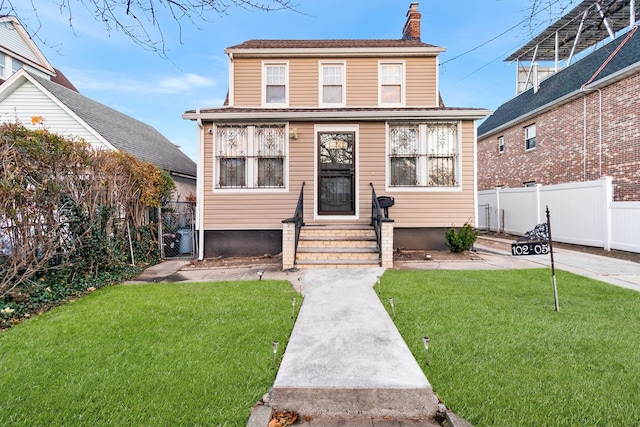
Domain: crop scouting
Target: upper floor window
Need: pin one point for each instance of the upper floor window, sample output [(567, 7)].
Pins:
[(391, 80), (530, 137), (332, 84), (424, 155), (500, 144), (275, 78), (3, 67), (249, 156), (15, 65)]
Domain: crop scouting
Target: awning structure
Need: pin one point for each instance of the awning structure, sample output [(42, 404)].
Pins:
[(585, 25)]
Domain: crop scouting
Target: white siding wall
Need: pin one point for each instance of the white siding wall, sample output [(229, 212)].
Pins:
[(28, 101), (12, 40)]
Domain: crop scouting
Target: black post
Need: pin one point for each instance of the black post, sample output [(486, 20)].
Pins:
[(553, 267)]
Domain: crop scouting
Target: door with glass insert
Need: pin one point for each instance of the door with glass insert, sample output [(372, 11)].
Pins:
[(336, 173)]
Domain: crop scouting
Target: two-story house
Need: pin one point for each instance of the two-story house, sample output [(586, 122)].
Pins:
[(324, 125)]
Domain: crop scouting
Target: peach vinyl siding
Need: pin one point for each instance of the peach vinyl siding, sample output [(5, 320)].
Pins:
[(303, 78), (421, 82), (247, 82), (265, 210), (361, 81)]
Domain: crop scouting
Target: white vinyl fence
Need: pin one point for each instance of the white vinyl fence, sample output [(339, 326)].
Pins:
[(582, 213)]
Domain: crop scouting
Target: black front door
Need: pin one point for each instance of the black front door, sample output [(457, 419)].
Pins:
[(336, 180)]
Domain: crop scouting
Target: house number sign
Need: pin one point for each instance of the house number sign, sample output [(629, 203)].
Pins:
[(534, 242), (529, 248)]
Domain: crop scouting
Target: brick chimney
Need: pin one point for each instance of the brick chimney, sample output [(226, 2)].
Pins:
[(411, 30)]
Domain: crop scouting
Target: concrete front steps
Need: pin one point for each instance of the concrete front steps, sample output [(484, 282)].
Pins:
[(337, 246)]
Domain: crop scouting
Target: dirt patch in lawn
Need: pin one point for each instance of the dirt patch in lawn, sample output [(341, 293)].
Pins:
[(253, 261), (425, 255)]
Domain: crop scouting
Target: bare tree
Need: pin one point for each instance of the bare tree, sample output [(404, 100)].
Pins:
[(144, 21), (546, 11)]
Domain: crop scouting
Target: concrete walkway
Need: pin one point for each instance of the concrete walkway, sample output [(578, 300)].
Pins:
[(346, 358)]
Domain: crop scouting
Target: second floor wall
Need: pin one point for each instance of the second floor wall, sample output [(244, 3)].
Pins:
[(308, 82)]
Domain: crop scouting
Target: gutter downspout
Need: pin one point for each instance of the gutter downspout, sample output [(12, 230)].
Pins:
[(584, 135), (200, 188), (600, 133)]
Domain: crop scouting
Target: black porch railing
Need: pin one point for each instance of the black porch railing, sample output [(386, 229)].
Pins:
[(377, 218), (298, 220)]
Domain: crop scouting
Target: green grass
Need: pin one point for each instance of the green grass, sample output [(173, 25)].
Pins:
[(146, 355), (500, 355)]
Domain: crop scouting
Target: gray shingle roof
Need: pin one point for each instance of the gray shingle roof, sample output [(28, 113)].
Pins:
[(327, 44), (566, 82), (123, 132)]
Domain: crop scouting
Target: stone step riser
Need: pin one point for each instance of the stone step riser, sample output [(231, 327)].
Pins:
[(360, 244), (337, 256), (328, 264), (337, 233)]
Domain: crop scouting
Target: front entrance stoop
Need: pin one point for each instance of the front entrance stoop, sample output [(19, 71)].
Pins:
[(337, 246)]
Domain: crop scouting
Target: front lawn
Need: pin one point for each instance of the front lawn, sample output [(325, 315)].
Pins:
[(501, 356), (146, 355)]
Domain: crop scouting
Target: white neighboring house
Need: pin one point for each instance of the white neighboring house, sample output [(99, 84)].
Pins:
[(69, 113), (30, 87), (18, 51)]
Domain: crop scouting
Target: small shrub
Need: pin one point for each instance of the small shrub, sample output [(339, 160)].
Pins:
[(462, 239)]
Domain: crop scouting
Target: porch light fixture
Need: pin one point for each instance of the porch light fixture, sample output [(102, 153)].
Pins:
[(275, 351), (425, 341), (293, 133), (393, 307), (293, 306), (260, 273)]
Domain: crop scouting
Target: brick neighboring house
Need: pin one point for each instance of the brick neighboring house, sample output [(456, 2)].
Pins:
[(341, 117), (580, 124)]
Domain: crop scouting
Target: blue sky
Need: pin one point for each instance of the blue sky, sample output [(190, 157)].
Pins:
[(113, 70)]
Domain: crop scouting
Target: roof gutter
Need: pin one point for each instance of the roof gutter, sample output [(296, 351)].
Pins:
[(227, 114)]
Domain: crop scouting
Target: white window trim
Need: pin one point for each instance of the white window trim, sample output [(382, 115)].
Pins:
[(266, 104), (403, 86), (321, 103), (526, 128), (501, 145), (336, 128), (250, 172), (423, 171)]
